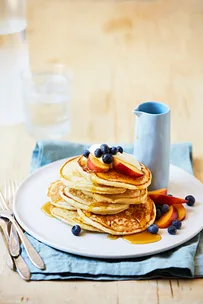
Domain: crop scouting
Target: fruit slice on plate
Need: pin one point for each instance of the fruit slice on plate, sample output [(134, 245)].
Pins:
[(181, 211), (125, 168), (165, 199), (95, 165), (166, 219), (159, 191)]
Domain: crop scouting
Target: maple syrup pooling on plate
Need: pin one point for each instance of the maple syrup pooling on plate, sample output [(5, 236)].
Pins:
[(46, 209), (138, 238)]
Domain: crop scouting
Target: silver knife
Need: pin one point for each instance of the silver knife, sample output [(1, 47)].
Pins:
[(5, 236), (18, 262), (34, 257), (13, 244)]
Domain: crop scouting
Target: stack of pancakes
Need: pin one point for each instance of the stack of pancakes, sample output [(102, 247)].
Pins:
[(108, 202)]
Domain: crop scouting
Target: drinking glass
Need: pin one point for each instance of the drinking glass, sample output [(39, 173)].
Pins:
[(47, 97), (14, 59)]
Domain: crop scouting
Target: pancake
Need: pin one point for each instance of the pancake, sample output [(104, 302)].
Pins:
[(136, 218), (71, 217), (128, 197), (126, 194), (115, 179), (53, 194), (70, 176), (54, 190), (64, 205), (83, 185), (81, 201)]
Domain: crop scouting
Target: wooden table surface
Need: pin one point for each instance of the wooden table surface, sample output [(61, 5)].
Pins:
[(122, 53)]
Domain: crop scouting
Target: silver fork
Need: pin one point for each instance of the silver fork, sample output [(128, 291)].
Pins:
[(30, 250), (10, 189)]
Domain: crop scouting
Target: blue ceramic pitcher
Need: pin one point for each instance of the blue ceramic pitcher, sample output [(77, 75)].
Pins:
[(152, 141)]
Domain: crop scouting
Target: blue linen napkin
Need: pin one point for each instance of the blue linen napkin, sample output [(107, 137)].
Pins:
[(185, 261)]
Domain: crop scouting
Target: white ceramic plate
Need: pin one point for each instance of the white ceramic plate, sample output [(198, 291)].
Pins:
[(32, 195)]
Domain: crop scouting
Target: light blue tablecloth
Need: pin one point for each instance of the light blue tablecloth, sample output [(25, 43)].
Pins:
[(185, 261)]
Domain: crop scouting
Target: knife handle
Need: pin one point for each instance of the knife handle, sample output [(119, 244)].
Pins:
[(5, 236), (14, 244), (18, 262), (22, 268), (31, 252)]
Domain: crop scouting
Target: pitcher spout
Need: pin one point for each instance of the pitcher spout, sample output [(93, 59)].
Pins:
[(137, 112)]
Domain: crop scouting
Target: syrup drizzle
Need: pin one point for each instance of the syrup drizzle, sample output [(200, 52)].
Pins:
[(46, 209), (138, 238)]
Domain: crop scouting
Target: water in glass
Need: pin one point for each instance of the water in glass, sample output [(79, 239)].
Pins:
[(47, 99)]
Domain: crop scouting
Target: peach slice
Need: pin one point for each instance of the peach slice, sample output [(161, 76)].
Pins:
[(181, 211), (126, 168), (159, 191), (95, 165), (165, 199), (83, 161), (166, 219)]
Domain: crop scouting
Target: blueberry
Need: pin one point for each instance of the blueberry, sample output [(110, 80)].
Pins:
[(172, 230), (153, 229), (98, 152), (107, 158), (165, 208), (113, 150), (86, 153), (120, 149), (158, 206), (190, 200), (105, 149), (177, 224), (158, 213), (76, 230)]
